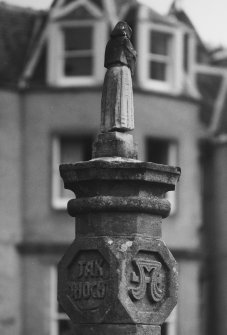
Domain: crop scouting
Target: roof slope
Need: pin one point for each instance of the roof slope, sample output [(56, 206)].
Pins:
[(17, 26)]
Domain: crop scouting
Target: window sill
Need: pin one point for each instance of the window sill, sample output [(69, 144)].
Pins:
[(60, 203), (76, 82), (159, 86)]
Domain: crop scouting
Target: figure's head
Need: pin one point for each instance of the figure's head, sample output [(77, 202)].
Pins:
[(121, 29)]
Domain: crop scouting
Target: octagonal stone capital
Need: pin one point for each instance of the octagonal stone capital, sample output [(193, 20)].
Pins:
[(118, 280)]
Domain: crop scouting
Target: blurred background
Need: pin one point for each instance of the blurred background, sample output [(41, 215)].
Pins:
[(51, 74)]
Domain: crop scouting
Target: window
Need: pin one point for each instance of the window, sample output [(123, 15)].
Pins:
[(160, 65), (78, 52), (163, 151), (74, 57), (59, 321), (160, 55), (67, 149)]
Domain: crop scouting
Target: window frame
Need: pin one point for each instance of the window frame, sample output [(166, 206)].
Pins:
[(173, 154), (56, 53), (57, 201), (55, 315), (77, 53), (172, 160), (174, 67), (159, 58)]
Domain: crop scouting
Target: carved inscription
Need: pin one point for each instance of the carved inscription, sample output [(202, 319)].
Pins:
[(89, 270), (150, 280), (86, 290), (88, 279)]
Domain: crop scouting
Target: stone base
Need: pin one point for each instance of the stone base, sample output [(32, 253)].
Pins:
[(104, 329), (114, 144)]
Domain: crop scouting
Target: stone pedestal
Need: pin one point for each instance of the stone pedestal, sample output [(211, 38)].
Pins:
[(118, 277)]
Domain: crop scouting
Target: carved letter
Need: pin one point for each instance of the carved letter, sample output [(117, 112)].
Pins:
[(88, 268), (101, 290), (98, 266), (77, 290), (81, 268), (86, 290)]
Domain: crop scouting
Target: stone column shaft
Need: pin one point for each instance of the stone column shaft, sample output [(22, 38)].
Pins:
[(118, 276)]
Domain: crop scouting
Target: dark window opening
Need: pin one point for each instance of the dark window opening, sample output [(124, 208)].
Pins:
[(160, 43), (157, 150), (73, 150), (78, 38), (158, 71), (78, 66)]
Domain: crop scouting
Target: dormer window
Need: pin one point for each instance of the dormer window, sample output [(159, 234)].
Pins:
[(159, 57), (77, 35), (74, 53)]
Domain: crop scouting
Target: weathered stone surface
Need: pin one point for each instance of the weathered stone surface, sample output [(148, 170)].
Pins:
[(118, 277), (106, 185), (87, 282), (105, 329), (118, 280), (156, 179), (118, 224), (118, 270), (119, 204), (117, 110), (114, 144)]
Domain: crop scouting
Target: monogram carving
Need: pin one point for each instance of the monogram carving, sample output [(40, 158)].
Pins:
[(150, 280)]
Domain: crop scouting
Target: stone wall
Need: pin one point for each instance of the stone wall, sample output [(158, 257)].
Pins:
[(10, 209)]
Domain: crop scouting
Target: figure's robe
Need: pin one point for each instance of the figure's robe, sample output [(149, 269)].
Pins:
[(117, 111)]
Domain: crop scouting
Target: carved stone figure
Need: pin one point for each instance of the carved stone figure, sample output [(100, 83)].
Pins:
[(117, 111)]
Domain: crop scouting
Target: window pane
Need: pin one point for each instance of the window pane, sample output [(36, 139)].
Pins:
[(71, 150), (157, 150), (158, 71), (78, 66), (159, 43), (78, 38), (65, 327), (163, 151), (74, 149)]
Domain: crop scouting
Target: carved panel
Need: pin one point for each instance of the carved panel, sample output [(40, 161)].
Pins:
[(88, 280), (148, 278)]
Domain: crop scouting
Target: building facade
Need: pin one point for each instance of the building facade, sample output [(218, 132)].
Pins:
[(50, 114)]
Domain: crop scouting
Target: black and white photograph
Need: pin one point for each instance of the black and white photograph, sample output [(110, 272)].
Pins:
[(113, 167)]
